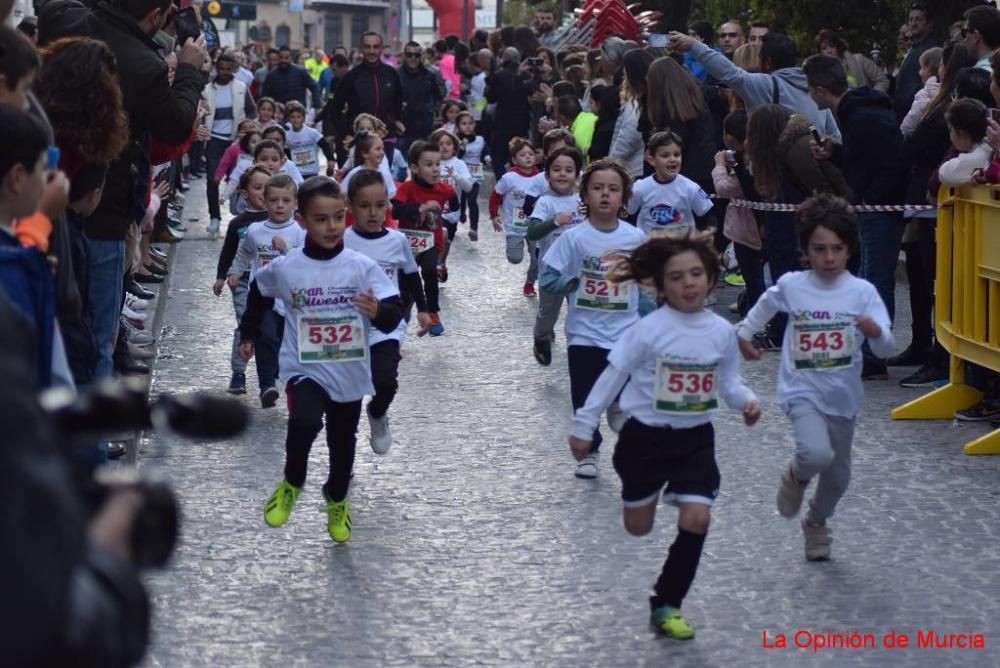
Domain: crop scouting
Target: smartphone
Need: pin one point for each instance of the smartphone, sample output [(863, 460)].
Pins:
[(816, 135), (995, 115), (658, 41)]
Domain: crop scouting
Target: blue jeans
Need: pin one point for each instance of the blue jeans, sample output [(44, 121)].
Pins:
[(107, 269), (881, 235), (267, 346)]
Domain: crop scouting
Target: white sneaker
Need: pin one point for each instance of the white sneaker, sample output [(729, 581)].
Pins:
[(586, 468), (616, 417), (135, 303), (213, 226), (135, 315), (381, 437)]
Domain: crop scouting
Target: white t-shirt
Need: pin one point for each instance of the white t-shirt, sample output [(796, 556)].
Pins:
[(821, 352), (514, 188), (223, 128), (677, 366), (668, 207), (303, 146), (391, 252), (326, 338), (257, 249), (461, 180), (477, 95), (550, 205), (383, 169), (599, 311), (473, 157)]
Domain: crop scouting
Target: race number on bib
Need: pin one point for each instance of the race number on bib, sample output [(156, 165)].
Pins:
[(596, 293), (476, 171), (301, 158), (683, 388), (420, 240), (520, 218), (823, 345), (265, 258), (332, 338)]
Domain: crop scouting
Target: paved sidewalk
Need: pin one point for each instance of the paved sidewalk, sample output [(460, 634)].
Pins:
[(474, 544)]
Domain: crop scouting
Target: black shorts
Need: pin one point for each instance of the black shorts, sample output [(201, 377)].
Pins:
[(647, 458)]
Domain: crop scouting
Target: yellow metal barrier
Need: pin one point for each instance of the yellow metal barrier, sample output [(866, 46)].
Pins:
[(966, 303)]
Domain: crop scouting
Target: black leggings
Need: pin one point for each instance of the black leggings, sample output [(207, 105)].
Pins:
[(385, 372), (428, 262), (308, 402), (471, 200), (751, 263), (586, 364)]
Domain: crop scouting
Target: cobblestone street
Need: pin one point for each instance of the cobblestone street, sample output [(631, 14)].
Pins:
[(474, 544)]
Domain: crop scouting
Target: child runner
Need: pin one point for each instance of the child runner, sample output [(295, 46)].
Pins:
[(511, 191), (369, 154), (475, 154), (830, 314), (252, 185), (666, 200), (456, 174), (555, 212), (266, 111), (276, 133), (304, 143), (450, 109), (672, 365), (599, 311), (390, 249), (248, 151), (232, 154), (418, 206), (363, 123), (330, 296), (264, 242)]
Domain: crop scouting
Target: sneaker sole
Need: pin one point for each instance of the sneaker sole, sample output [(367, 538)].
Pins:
[(586, 476), (932, 383), (269, 398), (236, 390)]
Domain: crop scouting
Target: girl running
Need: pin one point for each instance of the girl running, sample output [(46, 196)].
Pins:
[(555, 212), (390, 249), (456, 174), (450, 110), (599, 311), (511, 191), (670, 369), (332, 297), (475, 154), (266, 110), (276, 133), (830, 314), (369, 153), (245, 160)]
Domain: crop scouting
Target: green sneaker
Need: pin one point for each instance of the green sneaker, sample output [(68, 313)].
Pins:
[(672, 623), (280, 505), (734, 278), (338, 519)]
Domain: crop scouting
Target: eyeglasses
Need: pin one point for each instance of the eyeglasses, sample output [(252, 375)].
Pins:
[(729, 35), (411, 54)]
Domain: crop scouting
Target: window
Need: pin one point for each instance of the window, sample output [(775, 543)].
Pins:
[(333, 31), (283, 36), (359, 26)]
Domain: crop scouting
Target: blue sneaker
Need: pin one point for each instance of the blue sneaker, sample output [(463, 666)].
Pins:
[(437, 329)]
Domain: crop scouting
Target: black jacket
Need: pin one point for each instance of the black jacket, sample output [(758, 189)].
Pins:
[(154, 107), (908, 80), (291, 83), (872, 147), (923, 153), (369, 90), (506, 88), (423, 92), (698, 149)]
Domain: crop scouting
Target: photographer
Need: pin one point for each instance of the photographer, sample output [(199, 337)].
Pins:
[(72, 595), (155, 109), (507, 89)]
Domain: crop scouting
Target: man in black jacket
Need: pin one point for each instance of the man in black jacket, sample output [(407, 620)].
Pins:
[(288, 81), (155, 109), (370, 88), (506, 88), (423, 91), (870, 160)]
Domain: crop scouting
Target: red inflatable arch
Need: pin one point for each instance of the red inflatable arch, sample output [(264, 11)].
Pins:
[(449, 16)]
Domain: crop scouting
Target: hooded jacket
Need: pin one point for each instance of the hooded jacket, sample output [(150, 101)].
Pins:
[(872, 147), (802, 173), (154, 106), (758, 89), (423, 92)]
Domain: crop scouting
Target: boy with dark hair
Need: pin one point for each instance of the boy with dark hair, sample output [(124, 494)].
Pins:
[(18, 63), (581, 123)]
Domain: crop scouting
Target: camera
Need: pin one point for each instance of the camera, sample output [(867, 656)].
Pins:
[(731, 157), (156, 523), (187, 25)]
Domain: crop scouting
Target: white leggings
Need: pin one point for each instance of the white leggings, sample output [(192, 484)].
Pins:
[(823, 448)]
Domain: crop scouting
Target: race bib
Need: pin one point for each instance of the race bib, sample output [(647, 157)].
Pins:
[(822, 346), (596, 293), (476, 171), (339, 338), (302, 158), (520, 218), (265, 258), (420, 240), (684, 388)]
